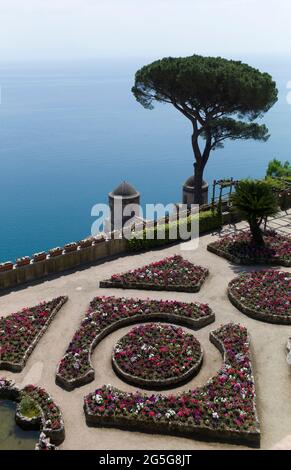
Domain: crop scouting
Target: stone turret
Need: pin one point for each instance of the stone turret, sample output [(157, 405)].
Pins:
[(188, 192), (122, 196)]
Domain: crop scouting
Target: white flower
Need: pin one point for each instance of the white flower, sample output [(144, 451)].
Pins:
[(98, 399), (215, 415)]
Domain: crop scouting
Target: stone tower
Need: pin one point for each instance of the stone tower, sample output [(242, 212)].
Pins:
[(119, 198), (188, 192)]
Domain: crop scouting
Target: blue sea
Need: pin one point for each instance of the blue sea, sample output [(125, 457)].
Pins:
[(71, 132)]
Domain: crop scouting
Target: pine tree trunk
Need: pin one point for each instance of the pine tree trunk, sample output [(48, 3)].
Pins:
[(198, 183), (256, 232)]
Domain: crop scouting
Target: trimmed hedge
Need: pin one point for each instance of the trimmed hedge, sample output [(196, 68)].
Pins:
[(207, 222)]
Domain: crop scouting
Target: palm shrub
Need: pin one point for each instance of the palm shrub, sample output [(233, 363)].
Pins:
[(254, 200)]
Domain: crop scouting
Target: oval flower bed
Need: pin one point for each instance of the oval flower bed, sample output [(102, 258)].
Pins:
[(171, 274), (240, 249), (50, 419), (263, 295), (224, 409), (21, 331), (107, 314), (157, 356)]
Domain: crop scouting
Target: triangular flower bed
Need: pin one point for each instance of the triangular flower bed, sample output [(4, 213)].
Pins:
[(107, 314), (169, 274), (222, 410), (21, 331)]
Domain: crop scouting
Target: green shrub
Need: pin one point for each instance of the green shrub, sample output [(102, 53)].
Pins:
[(279, 184), (150, 239), (278, 169), (29, 408)]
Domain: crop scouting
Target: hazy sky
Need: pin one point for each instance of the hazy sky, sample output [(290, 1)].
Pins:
[(58, 29)]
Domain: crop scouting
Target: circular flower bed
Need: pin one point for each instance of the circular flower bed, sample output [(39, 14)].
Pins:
[(263, 295), (156, 356), (223, 409), (241, 249), (107, 314), (172, 274)]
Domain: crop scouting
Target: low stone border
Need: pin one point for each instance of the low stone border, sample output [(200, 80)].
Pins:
[(131, 418), (212, 248), (161, 383), (49, 436), (18, 367), (152, 287), (263, 295), (257, 315), (172, 382), (244, 261), (124, 284), (83, 379)]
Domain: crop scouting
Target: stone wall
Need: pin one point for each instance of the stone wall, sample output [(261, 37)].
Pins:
[(53, 265)]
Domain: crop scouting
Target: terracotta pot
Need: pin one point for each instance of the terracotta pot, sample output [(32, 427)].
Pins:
[(23, 261), (69, 247), (85, 243), (99, 240), (8, 266), (39, 256), (55, 252)]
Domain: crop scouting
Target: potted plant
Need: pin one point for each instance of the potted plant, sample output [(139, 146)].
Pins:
[(55, 251), (86, 243), (25, 260), (7, 266), (39, 256), (69, 247), (99, 239)]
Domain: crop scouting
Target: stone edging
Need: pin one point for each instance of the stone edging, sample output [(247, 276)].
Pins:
[(18, 367), (171, 382), (147, 286), (89, 376), (257, 315), (247, 261), (250, 438), (55, 436)]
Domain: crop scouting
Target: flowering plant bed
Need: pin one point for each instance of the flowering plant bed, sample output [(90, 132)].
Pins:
[(21, 331), (263, 295), (107, 314), (172, 274), (241, 249), (222, 410), (157, 356), (50, 420)]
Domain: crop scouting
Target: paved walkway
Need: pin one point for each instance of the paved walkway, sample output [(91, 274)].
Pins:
[(273, 377)]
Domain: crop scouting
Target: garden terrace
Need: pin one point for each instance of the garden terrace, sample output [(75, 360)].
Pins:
[(49, 420), (240, 249), (268, 342), (172, 274), (21, 331), (224, 409), (157, 356), (263, 295), (107, 314)]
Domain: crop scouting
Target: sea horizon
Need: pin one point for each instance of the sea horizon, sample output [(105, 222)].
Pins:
[(71, 131)]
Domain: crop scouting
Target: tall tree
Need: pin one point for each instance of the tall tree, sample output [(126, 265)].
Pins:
[(222, 99)]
